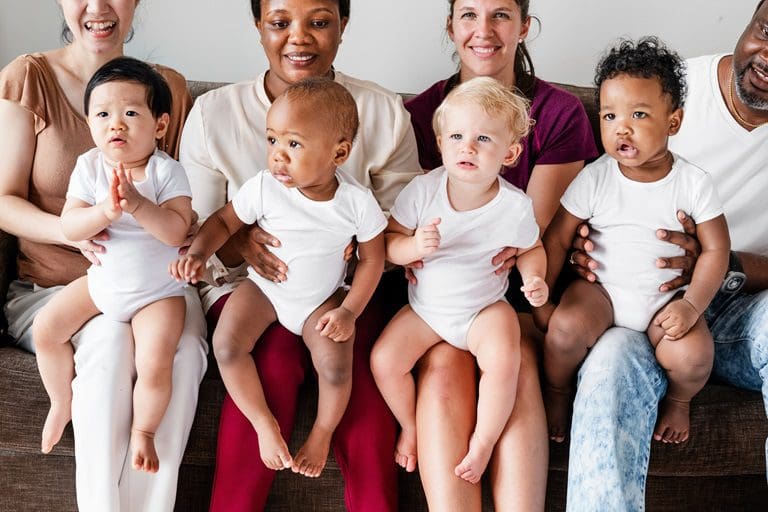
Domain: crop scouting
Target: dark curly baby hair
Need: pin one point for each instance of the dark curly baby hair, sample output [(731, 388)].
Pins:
[(648, 58)]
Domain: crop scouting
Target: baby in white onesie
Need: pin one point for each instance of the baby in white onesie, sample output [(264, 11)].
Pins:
[(140, 197), (456, 219), (315, 210), (637, 187)]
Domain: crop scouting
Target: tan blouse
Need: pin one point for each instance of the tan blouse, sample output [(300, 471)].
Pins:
[(62, 135)]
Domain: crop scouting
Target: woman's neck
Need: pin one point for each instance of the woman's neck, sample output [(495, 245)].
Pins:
[(81, 63), (505, 76)]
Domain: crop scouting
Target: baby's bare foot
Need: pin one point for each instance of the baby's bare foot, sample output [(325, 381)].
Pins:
[(272, 447), (405, 451), (310, 460), (674, 421), (143, 449), (473, 464), (558, 406), (58, 416)]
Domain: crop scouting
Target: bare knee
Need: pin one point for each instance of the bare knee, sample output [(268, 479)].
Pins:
[(566, 334), (445, 372), (334, 370), (227, 348), (44, 330)]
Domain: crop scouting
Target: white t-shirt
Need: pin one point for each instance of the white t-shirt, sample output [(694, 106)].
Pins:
[(737, 159), (135, 263), (313, 235), (459, 277), (224, 143), (625, 214)]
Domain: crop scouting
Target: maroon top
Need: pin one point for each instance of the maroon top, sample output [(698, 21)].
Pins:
[(561, 134)]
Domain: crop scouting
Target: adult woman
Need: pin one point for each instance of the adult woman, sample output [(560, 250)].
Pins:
[(43, 131), (225, 144), (489, 37)]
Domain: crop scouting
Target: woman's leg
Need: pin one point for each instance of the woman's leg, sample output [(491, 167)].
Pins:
[(364, 441), (445, 419), (140, 491), (241, 480), (520, 462), (614, 413)]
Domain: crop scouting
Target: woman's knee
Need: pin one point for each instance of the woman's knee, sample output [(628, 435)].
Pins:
[(446, 372)]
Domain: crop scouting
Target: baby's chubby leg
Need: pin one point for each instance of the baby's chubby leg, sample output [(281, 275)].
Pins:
[(494, 339), (333, 363), (156, 328), (245, 317), (52, 329), (688, 363), (584, 313), (402, 343)]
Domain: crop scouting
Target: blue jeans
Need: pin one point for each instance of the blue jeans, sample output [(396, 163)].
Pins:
[(619, 387)]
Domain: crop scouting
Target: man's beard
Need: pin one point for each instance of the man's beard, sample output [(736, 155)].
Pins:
[(750, 99)]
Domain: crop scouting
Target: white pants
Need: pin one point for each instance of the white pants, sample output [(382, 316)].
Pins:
[(102, 405)]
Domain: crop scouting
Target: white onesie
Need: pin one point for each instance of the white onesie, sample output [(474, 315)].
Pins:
[(458, 280), (624, 216), (313, 236), (134, 266)]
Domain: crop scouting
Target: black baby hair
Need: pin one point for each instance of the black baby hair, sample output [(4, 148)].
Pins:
[(330, 101), (648, 58), (128, 69)]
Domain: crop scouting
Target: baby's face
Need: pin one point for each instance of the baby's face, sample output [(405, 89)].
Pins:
[(475, 144), (302, 148), (636, 120), (122, 124)]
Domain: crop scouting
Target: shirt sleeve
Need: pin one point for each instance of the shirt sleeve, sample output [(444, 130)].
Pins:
[(707, 204), (406, 207), (248, 202), (577, 198), (21, 82), (372, 220), (207, 182), (82, 182), (172, 181), (525, 233)]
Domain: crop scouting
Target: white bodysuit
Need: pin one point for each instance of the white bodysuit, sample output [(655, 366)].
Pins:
[(458, 280), (313, 236), (134, 266), (624, 216)]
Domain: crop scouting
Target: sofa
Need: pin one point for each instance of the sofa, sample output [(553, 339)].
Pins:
[(721, 468)]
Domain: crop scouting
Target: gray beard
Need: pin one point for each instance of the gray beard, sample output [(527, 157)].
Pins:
[(752, 101)]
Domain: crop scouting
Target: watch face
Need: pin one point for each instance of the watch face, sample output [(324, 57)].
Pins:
[(733, 282)]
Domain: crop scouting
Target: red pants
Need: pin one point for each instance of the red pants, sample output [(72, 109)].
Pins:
[(363, 443)]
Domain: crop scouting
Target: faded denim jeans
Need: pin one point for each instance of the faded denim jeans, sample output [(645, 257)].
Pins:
[(619, 388)]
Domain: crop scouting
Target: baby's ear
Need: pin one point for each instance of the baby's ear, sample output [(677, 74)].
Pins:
[(675, 121), (513, 153), (343, 148), (161, 125)]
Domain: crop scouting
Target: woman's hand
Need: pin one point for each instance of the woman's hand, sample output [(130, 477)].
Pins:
[(505, 260), (689, 243), (253, 244), (90, 249), (580, 260)]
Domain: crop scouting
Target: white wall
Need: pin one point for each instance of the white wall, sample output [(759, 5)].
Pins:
[(398, 43)]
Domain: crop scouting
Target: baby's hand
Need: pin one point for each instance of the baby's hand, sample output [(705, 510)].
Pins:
[(542, 314), (536, 291), (110, 206), (337, 324), (188, 268), (677, 318), (427, 238), (130, 198)]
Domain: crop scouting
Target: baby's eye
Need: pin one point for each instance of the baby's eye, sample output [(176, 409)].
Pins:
[(271, 141), (483, 138), (101, 114), (293, 144), (639, 115), (131, 113), (455, 136), (609, 117)]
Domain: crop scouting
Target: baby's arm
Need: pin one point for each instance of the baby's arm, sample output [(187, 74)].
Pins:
[(532, 264), (405, 245), (168, 222), (215, 231), (338, 324), (677, 317), (83, 221)]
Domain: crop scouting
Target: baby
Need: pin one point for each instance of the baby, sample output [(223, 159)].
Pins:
[(456, 219), (315, 210), (637, 187), (141, 197)]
